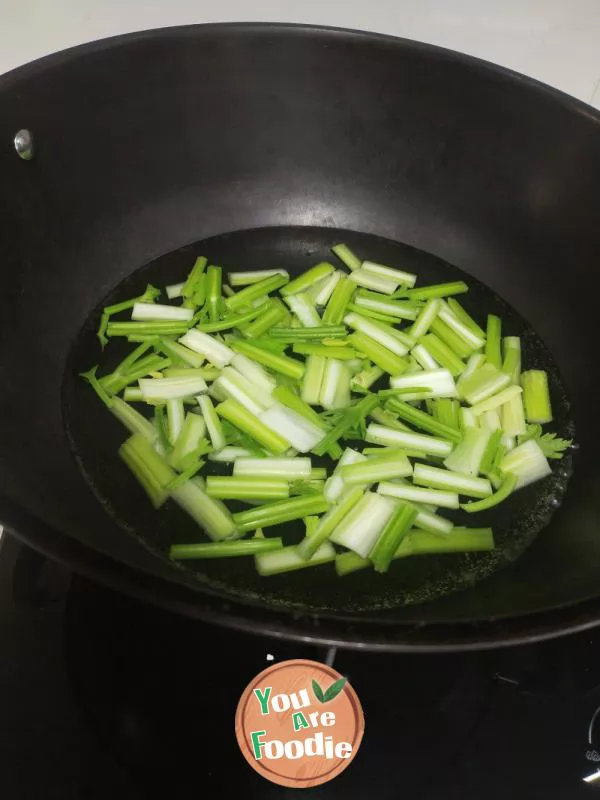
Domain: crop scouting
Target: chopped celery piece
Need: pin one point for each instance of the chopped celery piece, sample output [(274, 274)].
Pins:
[(248, 278), (389, 540), (383, 334), (278, 363), (493, 352), (328, 523), (335, 385), (536, 396), (371, 280), (527, 462), (274, 315), (191, 436), (304, 309), (253, 372), (315, 333), (442, 354), (375, 469), (438, 290), (160, 390), (289, 469), (313, 380), (156, 328), (417, 494), (463, 331), (463, 316), (334, 486), (383, 305), (346, 256), (424, 358), (209, 513), (509, 484), (191, 283), (342, 353), (287, 560), (156, 311), (301, 433), (178, 353), (360, 530), (467, 456), (491, 450), (232, 549), (151, 471), (512, 358), (496, 400), (380, 355), (450, 338), (426, 317), (366, 378), (351, 418), (338, 302), (482, 383), (407, 279), (428, 383), (230, 321), (276, 513), (239, 416), (379, 434), (460, 540), (308, 278), (422, 420), (246, 296), (174, 290), (213, 423), (513, 416), (175, 419), (322, 291), (245, 487), (432, 522), (231, 454), (464, 484), (208, 346)]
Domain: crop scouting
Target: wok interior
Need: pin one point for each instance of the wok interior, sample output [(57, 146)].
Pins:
[(289, 128), (95, 437)]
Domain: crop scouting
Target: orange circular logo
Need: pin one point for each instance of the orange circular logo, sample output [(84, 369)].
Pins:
[(299, 723)]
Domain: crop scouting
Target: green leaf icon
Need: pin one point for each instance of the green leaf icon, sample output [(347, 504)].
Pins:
[(318, 692), (334, 690)]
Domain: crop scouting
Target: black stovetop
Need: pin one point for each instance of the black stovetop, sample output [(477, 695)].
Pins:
[(102, 696)]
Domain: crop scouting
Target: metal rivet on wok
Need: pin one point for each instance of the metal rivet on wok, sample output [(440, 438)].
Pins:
[(23, 143)]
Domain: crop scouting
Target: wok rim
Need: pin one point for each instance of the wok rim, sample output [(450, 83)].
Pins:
[(311, 629)]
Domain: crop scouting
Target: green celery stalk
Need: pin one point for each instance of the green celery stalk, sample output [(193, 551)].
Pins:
[(342, 353), (290, 335), (512, 358), (461, 540), (152, 472), (248, 547), (394, 532), (494, 338), (238, 487), (375, 469), (180, 354), (378, 354), (338, 302), (308, 278), (491, 449), (350, 419), (387, 319), (270, 514), (536, 396), (435, 478), (384, 305), (313, 380), (437, 290), (450, 338), (278, 363), (363, 380), (496, 400), (509, 484), (423, 421), (444, 356), (425, 317), (133, 420), (447, 412), (159, 328), (213, 292), (269, 318), (246, 296), (235, 413), (288, 560), (328, 523), (347, 257), (432, 445), (463, 316), (213, 423), (191, 282), (90, 377), (212, 516), (230, 321)]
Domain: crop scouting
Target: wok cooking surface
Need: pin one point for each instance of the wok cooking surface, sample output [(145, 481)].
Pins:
[(95, 437), (149, 143)]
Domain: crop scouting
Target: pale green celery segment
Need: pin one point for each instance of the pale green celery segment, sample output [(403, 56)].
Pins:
[(461, 314), (270, 514), (536, 396), (195, 275), (451, 339), (275, 314), (308, 278), (239, 487), (231, 549), (396, 529), (247, 295), (328, 523), (438, 290), (278, 363), (382, 357), (426, 317), (442, 354), (338, 302), (347, 257), (493, 349), (424, 421), (235, 413), (289, 560), (512, 358)]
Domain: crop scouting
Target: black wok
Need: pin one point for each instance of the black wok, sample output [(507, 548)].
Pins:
[(265, 143)]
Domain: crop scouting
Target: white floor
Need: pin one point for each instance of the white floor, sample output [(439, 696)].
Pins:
[(554, 41)]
